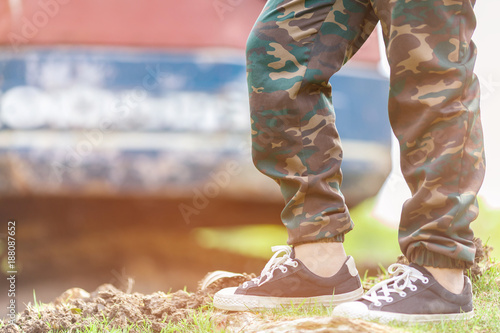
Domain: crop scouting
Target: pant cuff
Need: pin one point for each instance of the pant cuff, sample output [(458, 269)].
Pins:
[(423, 257)]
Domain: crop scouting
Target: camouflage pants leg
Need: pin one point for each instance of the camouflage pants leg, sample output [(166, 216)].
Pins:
[(294, 48), (434, 112)]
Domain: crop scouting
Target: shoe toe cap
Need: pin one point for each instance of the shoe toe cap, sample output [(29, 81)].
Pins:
[(351, 309), (226, 291)]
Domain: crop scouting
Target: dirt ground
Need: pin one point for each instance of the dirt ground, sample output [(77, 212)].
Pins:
[(76, 308)]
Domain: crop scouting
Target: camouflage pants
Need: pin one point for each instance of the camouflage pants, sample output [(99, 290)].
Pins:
[(294, 49)]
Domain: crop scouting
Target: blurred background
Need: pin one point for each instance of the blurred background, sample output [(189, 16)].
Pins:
[(125, 145)]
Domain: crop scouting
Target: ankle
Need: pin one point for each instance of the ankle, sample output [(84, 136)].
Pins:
[(323, 259), (452, 279)]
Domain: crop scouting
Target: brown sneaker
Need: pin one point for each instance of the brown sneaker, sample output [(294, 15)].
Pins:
[(286, 280), (412, 295)]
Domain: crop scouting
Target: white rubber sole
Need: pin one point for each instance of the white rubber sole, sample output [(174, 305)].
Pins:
[(384, 317), (226, 299), (358, 310)]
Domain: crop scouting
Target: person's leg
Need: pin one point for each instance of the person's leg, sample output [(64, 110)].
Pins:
[(434, 112), (293, 50)]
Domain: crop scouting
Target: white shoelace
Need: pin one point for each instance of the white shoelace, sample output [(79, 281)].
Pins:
[(405, 276), (274, 263)]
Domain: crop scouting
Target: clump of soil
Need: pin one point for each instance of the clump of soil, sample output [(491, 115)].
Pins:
[(482, 260), (76, 309)]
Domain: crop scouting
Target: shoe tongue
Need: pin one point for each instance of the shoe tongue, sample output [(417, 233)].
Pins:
[(292, 255)]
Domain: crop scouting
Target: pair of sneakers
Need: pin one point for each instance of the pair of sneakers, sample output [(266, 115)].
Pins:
[(410, 295)]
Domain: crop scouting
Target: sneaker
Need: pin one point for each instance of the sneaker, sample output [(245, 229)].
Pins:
[(412, 295), (285, 280)]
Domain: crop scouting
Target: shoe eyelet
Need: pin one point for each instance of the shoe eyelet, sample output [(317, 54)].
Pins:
[(425, 280), (378, 304), (413, 288), (295, 264), (390, 300), (245, 285), (283, 269), (402, 294)]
